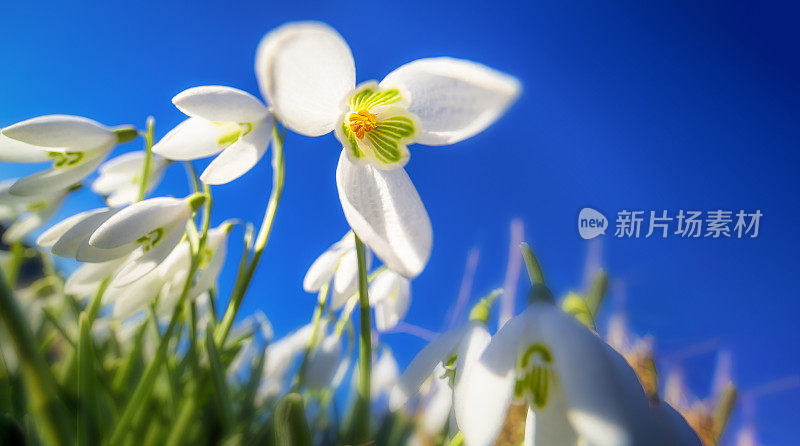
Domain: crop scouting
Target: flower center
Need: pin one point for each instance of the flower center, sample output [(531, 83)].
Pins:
[(535, 375), (362, 122)]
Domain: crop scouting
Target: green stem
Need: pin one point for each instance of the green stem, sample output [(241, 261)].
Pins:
[(315, 320), (145, 385), (97, 300), (17, 256), (243, 281), (48, 410), (362, 414), (148, 158)]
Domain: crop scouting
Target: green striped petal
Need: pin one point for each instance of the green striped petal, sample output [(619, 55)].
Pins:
[(384, 146)]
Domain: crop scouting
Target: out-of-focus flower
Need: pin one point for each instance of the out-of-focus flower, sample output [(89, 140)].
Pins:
[(76, 145), (390, 296), (119, 178), (324, 361), (575, 386), (281, 354), (307, 73), (340, 264), (224, 121), (24, 214)]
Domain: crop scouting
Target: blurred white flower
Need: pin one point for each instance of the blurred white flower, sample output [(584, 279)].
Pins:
[(307, 73), (281, 354), (76, 145), (224, 121), (119, 178), (324, 362), (24, 214), (390, 296), (576, 387), (454, 350), (340, 264)]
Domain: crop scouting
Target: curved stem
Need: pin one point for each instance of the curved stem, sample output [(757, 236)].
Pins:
[(243, 281), (148, 158), (362, 415), (312, 341)]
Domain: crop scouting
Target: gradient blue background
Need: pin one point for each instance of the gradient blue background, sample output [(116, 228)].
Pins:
[(637, 105)]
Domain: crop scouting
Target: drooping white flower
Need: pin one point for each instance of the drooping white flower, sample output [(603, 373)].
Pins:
[(119, 178), (224, 121), (245, 333), (149, 229), (69, 238), (390, 297), (76, 145), (324, 362), (576, 387), (436, 402), (281, 354), (307, 73), (23, 214), (339, 264)]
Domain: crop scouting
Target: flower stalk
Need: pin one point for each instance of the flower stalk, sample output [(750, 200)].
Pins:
[(148, 158), (243, 281), (361, 414)]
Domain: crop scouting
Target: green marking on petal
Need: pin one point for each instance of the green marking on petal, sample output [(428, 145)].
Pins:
[(37, 206), (372, 96), (534, 375), (150, 239), (62, 160), (351, 144)]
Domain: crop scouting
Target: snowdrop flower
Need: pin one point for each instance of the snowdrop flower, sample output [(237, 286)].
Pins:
[(390, 296), (436, 403), (577, 389), (246, 331), (338, 263), (69, 238), (307, 73), (149, 229), (119, 178), (224, 121), (324, 362), (87, 277), (384, 376), (24, 214), (454, 351), (76, 145), (281, 354)]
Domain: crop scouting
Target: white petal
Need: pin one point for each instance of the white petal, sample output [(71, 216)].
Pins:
[(384, 374), (220, 104), (128, 164), (84, 280), (345, 278), (323, 362), (470, 349), (22, 227), (321, 271), (13, 151), (78, 235), (305, 70), (123, 196), (421, 367), (599, 406), (240, 156), (51, 236), (455, 99), (487, 387), (549, 426), (437, 404), (55, 179), (385, 211), (207, 277), (139, 219), (138, 266), (134, 297), (62, 132), (191, 139), (90, 254), (390, 294), (675, 427)]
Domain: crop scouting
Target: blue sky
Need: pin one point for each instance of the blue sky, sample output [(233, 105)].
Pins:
[(646, 106)]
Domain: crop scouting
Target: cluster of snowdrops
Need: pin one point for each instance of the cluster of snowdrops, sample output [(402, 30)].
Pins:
[(132, 346)]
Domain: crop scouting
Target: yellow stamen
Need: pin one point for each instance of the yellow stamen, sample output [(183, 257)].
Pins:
[(362, 122)]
